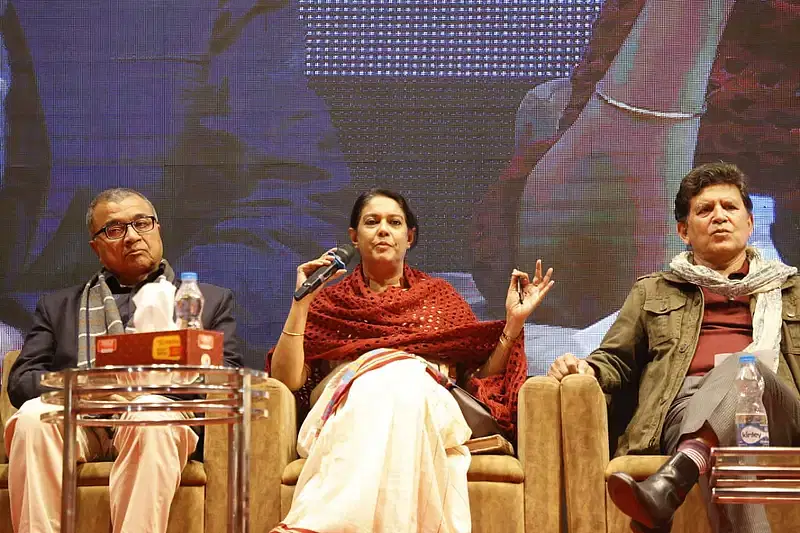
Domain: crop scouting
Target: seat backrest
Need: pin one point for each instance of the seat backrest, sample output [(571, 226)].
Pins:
[(6, 409)]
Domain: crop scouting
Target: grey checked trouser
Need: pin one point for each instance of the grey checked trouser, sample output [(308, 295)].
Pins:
[(711, 400)]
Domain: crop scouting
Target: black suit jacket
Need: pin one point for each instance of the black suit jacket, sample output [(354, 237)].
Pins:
[(52, 343)]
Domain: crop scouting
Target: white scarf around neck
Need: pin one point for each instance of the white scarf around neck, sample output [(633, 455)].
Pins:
[(763, 280)]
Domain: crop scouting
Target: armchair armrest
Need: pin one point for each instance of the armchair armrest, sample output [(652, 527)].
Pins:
[(272, 447), (539, 447), (6, 409), (585, 433)]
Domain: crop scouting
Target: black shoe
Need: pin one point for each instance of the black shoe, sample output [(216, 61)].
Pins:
[(636, 527), (652, 502)]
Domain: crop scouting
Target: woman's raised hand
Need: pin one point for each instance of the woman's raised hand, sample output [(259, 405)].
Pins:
[(521, 303)]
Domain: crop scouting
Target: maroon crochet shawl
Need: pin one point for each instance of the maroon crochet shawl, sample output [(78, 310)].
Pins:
[(428, 319)]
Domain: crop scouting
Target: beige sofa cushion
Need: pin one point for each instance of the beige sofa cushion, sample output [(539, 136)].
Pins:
[(496, 468), (96, 475)]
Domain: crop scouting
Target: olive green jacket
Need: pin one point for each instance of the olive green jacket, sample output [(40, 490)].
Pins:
[(646, 354)]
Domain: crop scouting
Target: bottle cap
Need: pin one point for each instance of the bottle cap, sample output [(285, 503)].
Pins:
[(747, 358), (188, 276)]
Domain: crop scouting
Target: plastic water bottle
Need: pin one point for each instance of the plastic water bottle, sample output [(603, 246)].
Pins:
[(752, 428), (189, 302)]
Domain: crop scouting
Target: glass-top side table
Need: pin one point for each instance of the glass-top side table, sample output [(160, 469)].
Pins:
[(755, 475), (209, 394)]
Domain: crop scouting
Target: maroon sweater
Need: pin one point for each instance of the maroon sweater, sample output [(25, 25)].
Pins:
[(727, 326)]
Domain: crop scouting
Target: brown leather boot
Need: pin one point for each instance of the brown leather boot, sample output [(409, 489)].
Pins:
[(652, 502)]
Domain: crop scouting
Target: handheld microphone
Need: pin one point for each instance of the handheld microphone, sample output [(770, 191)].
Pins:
[(341, 256)]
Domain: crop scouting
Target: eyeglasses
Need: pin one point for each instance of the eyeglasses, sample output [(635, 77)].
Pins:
[(117, 230)]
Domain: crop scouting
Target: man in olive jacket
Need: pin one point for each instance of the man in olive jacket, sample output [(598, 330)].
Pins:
[(666, 353)]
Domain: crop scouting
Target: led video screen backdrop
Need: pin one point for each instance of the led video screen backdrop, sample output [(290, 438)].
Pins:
[(518, 129)]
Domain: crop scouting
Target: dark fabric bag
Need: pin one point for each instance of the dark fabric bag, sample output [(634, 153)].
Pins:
[(475, 412)]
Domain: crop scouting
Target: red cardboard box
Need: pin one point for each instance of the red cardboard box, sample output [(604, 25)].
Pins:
[(179, 347)]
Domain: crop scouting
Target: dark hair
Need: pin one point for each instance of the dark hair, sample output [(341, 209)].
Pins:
[(363, 198), (702, 176)]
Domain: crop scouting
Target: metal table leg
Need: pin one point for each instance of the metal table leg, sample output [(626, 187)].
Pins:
[(234, 446), (243, 429), (68, 476)]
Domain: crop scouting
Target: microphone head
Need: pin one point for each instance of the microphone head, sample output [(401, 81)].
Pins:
[(345, 252)]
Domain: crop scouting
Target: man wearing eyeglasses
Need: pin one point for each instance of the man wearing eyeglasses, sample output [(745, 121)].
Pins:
[(126, 236)]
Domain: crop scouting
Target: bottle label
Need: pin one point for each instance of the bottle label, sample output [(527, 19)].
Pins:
[(752, 433)]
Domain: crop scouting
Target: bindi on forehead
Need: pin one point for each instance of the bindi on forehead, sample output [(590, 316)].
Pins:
[(383, 214), (380, 207)]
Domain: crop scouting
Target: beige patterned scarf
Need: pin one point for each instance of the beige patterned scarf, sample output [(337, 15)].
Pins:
[(764, 280)]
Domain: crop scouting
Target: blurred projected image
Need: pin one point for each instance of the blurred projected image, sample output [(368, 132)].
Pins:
[(251, 124), (662, 86), (203, 106)]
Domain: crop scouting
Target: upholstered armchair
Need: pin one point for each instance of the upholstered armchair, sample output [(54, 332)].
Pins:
[(587, 466), (507, 494), (191, 512)]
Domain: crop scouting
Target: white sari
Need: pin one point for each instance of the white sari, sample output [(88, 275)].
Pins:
[(391, 459)]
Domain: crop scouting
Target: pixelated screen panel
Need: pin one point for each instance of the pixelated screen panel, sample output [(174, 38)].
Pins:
[(252, 127), (449, 39)]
